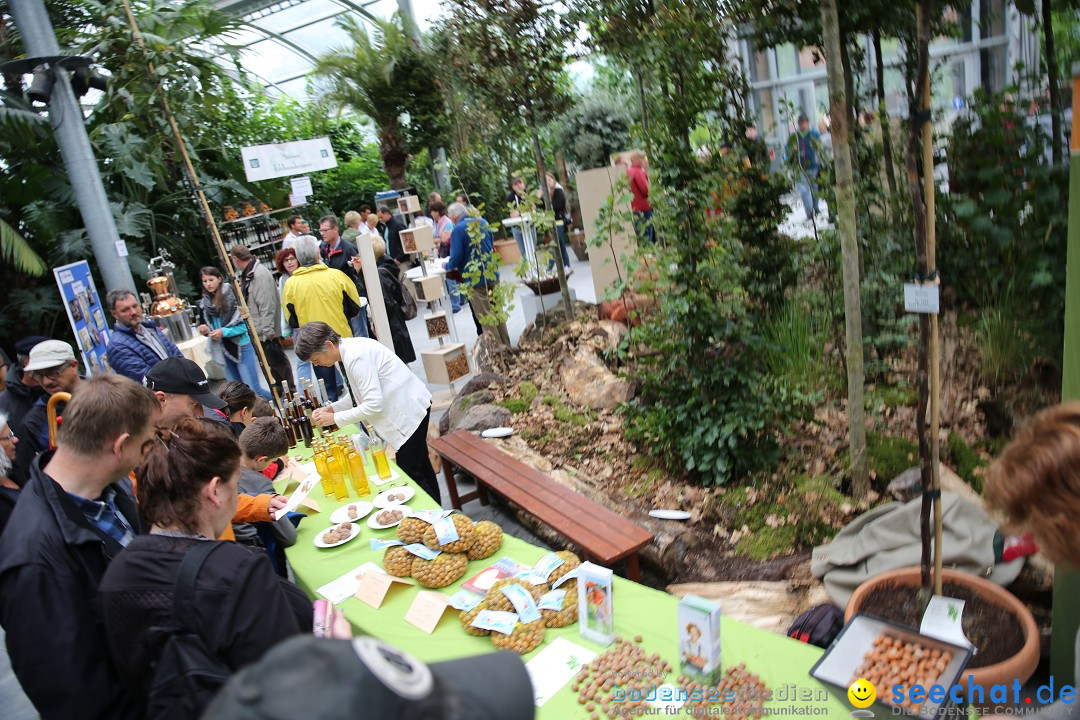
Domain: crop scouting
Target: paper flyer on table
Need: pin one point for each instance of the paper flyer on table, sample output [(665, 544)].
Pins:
[(339, 590), (376, 480), (554, 666), (298, 496)]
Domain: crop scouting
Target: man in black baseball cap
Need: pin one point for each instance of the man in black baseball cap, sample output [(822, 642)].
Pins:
[(182, 388), (316, 678), (20, 390)]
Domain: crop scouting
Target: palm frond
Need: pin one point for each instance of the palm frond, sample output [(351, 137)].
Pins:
[(16, 250)]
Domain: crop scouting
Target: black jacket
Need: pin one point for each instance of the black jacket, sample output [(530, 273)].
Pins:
[(244, 609), (51, 563), (17, 398), (340, 259), (393, 299), (393, 239)]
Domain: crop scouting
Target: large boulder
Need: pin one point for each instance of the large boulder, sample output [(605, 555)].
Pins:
[(482, 381), (589, 383), (482, 417), (460, 406)]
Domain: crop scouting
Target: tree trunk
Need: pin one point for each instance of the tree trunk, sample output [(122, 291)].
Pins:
[(1052, 79), (845, 204), (911, 156), (849, 84), (883, 115), (644, 110), (541, 170), (393, 156)]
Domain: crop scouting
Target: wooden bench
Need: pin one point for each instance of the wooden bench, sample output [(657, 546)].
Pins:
[(605, 536)]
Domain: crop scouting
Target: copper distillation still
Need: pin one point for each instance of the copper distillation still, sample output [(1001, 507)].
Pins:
[(169, 310)]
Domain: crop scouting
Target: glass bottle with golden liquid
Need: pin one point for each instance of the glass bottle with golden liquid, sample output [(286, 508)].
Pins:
[(324, 474), (359, 474), (378, 454), (337, 477)]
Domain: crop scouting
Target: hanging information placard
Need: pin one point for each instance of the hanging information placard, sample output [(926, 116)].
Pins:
[(84, 312), (265, 162)]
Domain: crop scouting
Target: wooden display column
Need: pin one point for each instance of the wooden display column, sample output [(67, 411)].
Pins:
[(449, 362)]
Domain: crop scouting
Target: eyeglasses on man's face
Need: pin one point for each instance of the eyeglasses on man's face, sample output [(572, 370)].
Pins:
[(48, 373)]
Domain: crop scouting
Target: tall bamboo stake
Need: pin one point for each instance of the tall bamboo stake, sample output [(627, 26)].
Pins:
[(193, 179), (935, 349)]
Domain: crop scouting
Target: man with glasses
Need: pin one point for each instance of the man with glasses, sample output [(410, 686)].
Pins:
[(74, 516), (338, 253), (52, 365)]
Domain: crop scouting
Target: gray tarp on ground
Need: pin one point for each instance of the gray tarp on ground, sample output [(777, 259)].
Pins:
[(887, 538)]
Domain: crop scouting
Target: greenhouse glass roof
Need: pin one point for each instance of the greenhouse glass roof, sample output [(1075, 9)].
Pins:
[(281, 39)]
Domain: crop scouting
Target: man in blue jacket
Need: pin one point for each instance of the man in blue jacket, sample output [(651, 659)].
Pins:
[(464, 253), (136, 345)]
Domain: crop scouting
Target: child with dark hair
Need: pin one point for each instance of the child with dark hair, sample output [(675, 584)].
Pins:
[(262, 442), (239, 402)]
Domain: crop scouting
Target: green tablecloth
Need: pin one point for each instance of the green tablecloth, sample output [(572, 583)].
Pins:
[(781, 663)]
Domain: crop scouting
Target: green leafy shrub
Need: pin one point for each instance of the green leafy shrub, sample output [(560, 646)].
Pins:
[(1006, 219)]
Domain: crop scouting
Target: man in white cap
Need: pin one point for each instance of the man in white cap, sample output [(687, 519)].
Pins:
[(53, 365)]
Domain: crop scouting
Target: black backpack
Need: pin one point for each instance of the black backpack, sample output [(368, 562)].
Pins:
[(188, 674), (818, 625)]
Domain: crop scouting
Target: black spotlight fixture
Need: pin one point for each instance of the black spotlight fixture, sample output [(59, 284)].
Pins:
[(42, 86)]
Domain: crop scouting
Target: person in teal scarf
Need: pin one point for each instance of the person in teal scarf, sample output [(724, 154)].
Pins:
[(803, 148), (230, 345)]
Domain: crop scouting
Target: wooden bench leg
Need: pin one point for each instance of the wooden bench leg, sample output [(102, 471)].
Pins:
[(482, 492), (451, 484), (633, 571)]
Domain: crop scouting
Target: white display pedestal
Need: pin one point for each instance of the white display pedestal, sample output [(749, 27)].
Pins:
[(533, 305)]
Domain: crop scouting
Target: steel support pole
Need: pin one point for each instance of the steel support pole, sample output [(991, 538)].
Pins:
[(66, 118)]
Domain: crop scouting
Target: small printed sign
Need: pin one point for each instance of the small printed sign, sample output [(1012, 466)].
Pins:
[(922, 299), (427, 609), (301, 186), (374, 586)]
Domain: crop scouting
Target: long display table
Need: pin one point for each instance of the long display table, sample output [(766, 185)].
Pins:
[(781, 663)]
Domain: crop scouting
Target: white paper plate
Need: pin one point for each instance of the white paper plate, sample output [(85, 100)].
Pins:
[(363, 507), (670, 514), (381, 500), (375, 525), (499, 432), (319, 541)]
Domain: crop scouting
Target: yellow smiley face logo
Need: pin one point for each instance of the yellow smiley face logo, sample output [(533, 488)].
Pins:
[(862, 693)]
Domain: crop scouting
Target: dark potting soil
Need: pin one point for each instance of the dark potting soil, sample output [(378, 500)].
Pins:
[(995, 631)]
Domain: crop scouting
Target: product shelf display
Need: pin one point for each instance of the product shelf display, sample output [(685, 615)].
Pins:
[(449, 362), (645, 622)]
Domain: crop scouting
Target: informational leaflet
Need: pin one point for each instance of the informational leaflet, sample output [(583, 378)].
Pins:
[(552, 600), (299, 495), (341, 589), (554, 667)]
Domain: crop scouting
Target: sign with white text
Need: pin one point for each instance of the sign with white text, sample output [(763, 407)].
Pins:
[(265, 162)]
